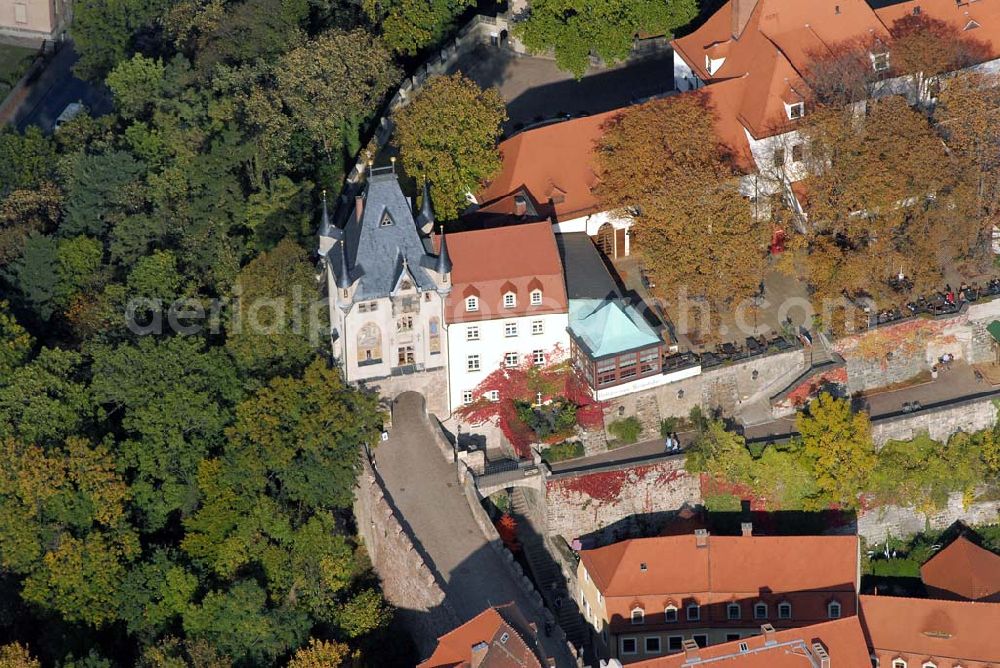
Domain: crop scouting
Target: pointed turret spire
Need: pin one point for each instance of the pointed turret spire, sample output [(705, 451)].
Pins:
[(425, 219), (328, 234), (443, 264), (343, 276)]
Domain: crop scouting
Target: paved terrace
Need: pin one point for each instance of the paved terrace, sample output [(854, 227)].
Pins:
[(535, 89), (425, 490), (951, 386)]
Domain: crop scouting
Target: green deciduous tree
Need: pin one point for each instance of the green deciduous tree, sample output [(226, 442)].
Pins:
[(327, 87), (279, 329), (47, 399), (448, 134), (136, 83), (15, 343), (239, 624), (171, 399), (103, 31), (838, 444), (408, 26), (321, 654), (575, 29)]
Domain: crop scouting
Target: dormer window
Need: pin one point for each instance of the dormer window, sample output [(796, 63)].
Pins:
[(833, 610), (713, 64), (638, 616), (536, 297), (472, 303), (795, 110), (670, 613), (760, 611), (880, 61), (509, 300), (971, 25), (733, 611), (693, 612), (386, 220), (784, 610)]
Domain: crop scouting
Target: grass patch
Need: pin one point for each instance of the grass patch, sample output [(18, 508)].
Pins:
[(562, 451), (626, 430)]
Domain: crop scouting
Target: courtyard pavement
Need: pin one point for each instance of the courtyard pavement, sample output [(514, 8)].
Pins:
[(57, 87), (535, 89), (425, 489)]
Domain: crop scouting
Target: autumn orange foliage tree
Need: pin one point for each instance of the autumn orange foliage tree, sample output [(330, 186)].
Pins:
[(663, 161)]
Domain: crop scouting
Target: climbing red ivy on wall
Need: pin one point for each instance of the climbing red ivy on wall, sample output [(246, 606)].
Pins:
[(529, 382)]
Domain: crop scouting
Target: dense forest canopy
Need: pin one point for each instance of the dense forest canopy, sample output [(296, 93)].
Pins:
[(177, 485)]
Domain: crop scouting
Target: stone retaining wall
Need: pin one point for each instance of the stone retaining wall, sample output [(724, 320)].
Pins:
[(940, 424), (724, 388), (878, 524), (617, 502), (407, 580)]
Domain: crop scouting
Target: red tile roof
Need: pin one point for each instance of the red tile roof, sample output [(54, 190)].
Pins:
[(919, 629), (806, 571), (963, 570), (985, 14), (489, 262), (555, 163), (455, 649), (842, 640), (781, 39)]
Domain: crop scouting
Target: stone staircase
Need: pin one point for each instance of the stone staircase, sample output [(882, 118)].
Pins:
[(547, 575)]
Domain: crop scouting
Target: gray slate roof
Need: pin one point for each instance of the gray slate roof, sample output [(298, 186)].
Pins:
[(587, 277), (375, 252)]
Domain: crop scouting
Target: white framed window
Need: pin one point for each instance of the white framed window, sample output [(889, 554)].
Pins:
[(20, 12), (509, 300), (675, 643), (929, 664), (760, 610), (784, 610), (899, 663), (880, 61), (693, 612), (538, 357), (670, 613), (795, 110), (467, 397), (638, 616), (733, 611), (511, 359), (537, 326), (472, 303), (493, 395), (629, 646), (833, 610), (536, 297), (652, 644), (472, 362), (472, 333), (510, 329), (700, 639)]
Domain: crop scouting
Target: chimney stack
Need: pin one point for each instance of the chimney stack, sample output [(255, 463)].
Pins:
[(746, 528), (701, 537), (820, 653), (741, 11), (768, 631), (691, 651), (359, 206)]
